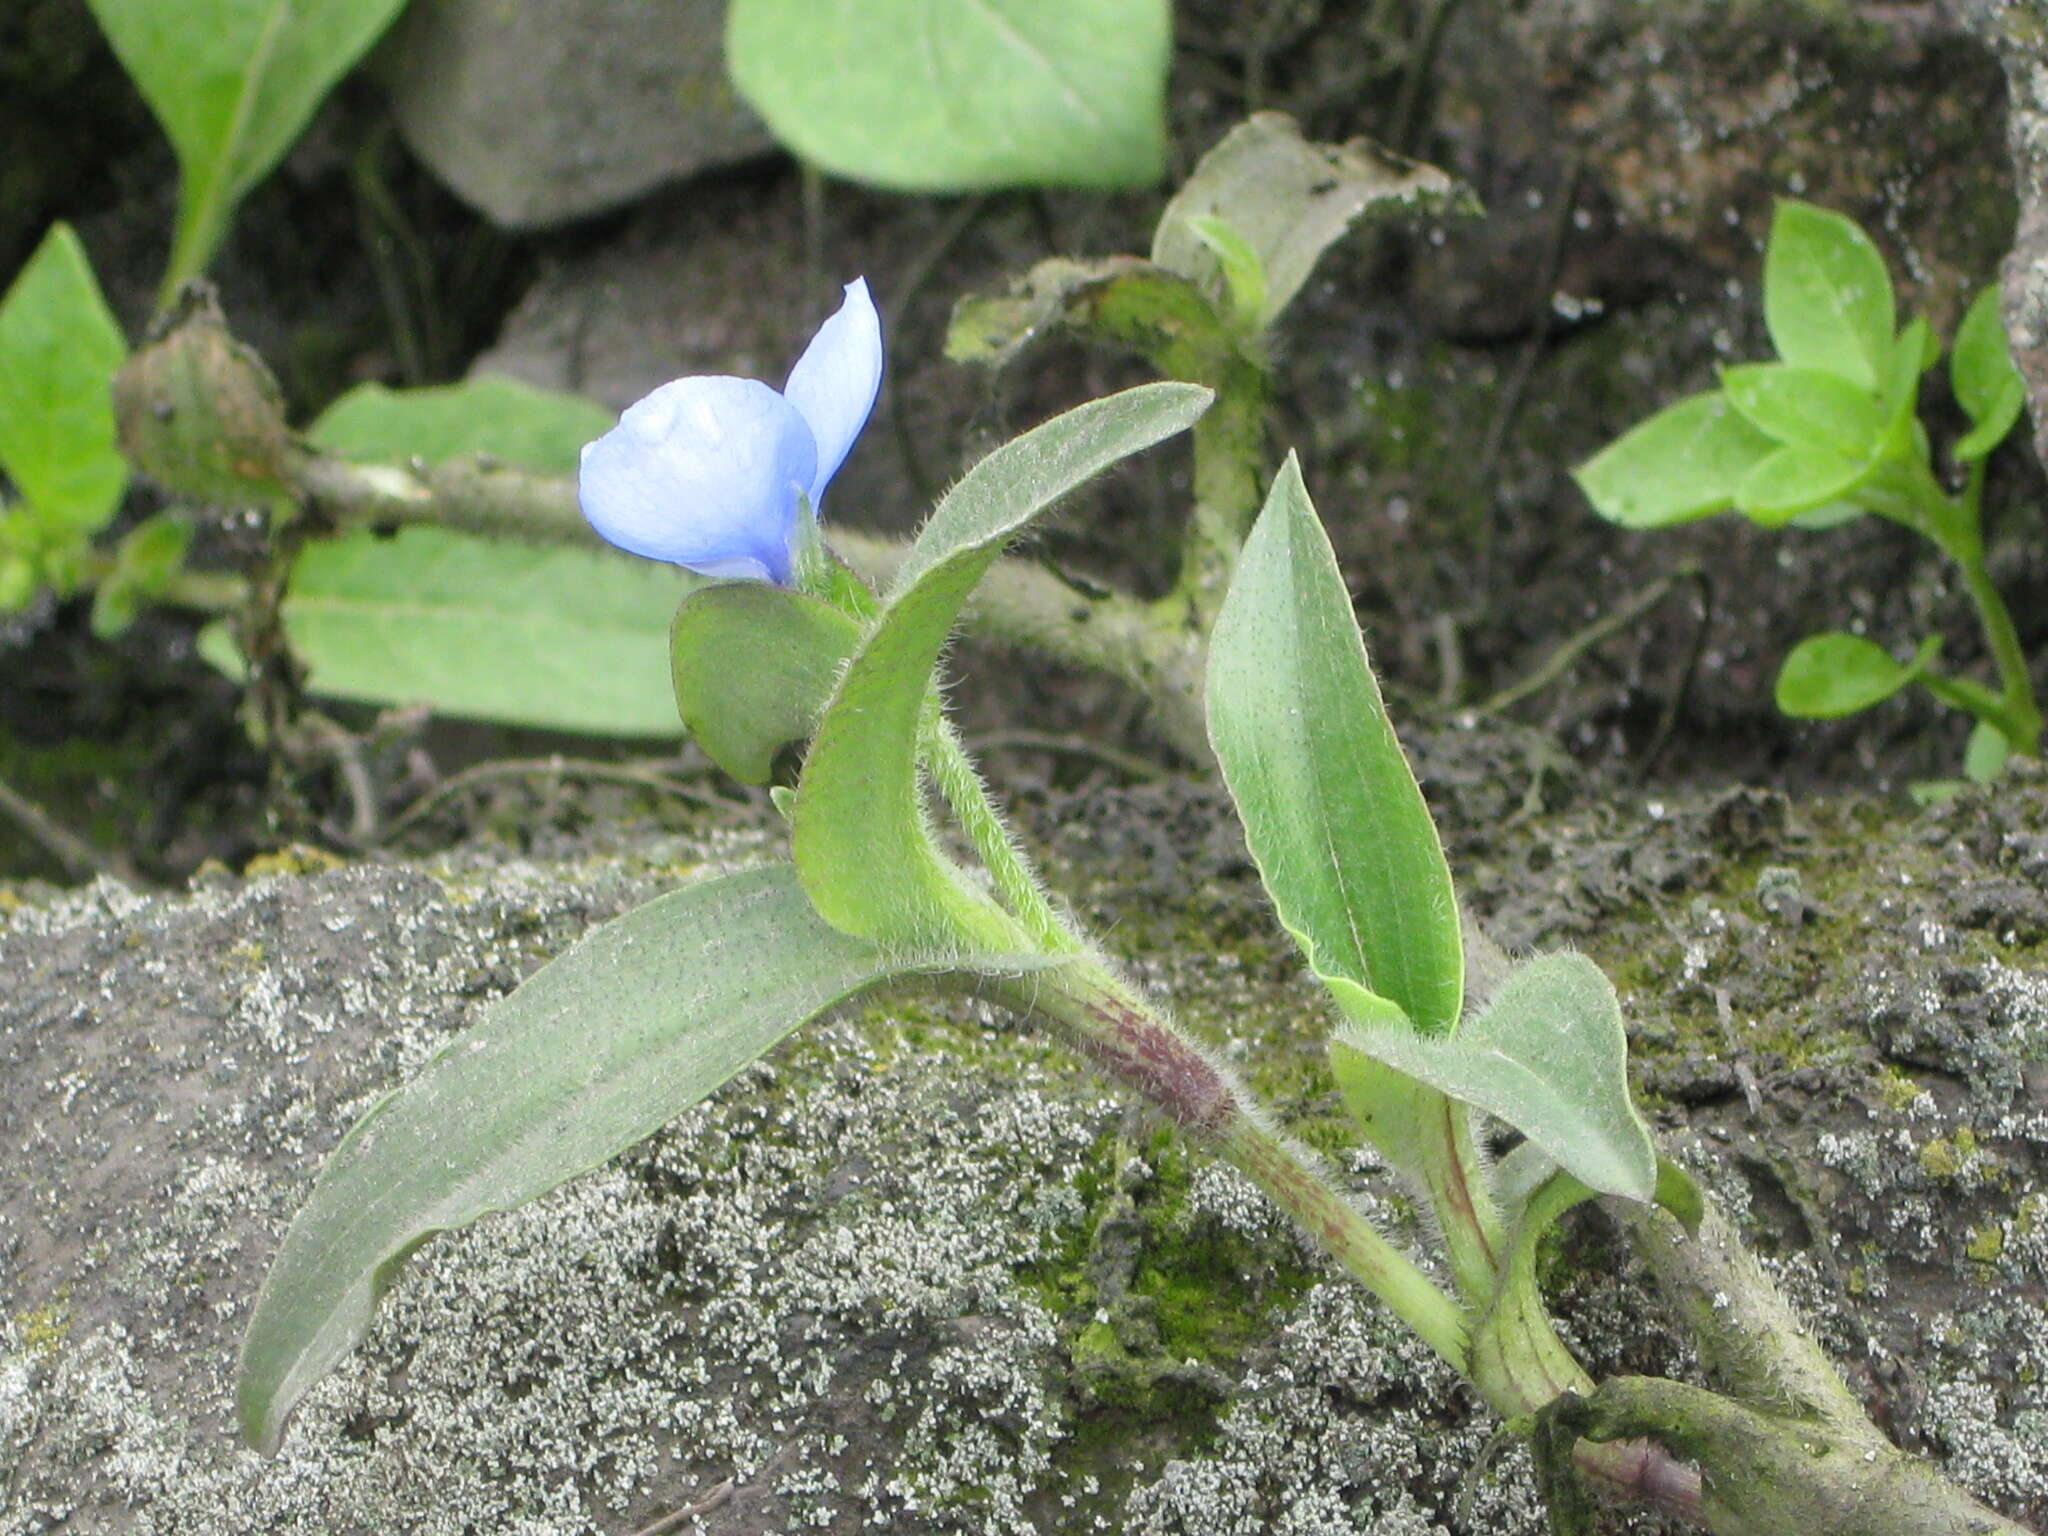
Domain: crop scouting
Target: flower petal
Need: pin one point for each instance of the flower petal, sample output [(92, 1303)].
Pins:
[(835, 382), (703, 473)]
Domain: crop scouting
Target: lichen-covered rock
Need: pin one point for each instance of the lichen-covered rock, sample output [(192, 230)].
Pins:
[(2018, 31), (919, 1272)]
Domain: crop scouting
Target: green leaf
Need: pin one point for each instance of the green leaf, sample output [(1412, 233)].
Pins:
[(1984, 756), (560, 638), (149, 556), (860, 840), (1115, 299), (642, 1018), (1288, 201), (1827, 297), (919, 97), (1549, 1057), (1685, 462), (533, 428), (1331, 811), (1800, 406), (1986, 384), (754, 666), (233, 82), (1828, 676), (1244, 274), (59, 348), (1796, 479), (1830, 514)]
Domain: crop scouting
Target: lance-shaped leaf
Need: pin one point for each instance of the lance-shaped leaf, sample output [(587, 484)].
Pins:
[(1288, 201), (860, 841), (1549, 1057), (640, 1020), (233, 82), (754, 666), (1331, 810)]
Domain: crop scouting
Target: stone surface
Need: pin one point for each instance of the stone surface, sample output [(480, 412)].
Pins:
[(2018, 31), (920, 1273), (542, 111)]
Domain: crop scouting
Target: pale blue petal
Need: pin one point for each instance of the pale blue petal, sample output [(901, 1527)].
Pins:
[(704, 473), (835, 382)]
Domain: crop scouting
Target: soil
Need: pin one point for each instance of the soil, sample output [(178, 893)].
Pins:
[(920, 1271)]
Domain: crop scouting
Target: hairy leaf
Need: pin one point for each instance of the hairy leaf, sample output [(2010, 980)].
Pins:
[(859, 840), (638, 1021), (1331, 810), (753, 667), (1549, 1057)]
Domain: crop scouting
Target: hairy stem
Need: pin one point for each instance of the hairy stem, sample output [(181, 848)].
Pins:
[(1018, 604), (1107, 1023)]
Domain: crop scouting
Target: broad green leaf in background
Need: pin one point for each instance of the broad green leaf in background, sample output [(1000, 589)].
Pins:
[(617, 1036), (1548, 1056), (550, 636), (754, 666), (535, 428), (1828, 676), (1827, 297), (59, 348), (563, 638), (1685, 462), (1807, 405), (1288, 201), (233, 82), (1331, 810), (566, 639), (859, 837), (1981, 373), (919, 97)]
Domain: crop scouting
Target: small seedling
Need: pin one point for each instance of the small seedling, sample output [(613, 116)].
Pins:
[(1829, 432)]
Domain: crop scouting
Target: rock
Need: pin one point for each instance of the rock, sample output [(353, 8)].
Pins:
[(540, 112), (862, 1287), (2018, 31)]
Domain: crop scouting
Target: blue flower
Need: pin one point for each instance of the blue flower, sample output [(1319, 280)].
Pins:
[(707, 472)]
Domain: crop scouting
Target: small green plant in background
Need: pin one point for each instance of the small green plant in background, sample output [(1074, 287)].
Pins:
[(1829, 432)]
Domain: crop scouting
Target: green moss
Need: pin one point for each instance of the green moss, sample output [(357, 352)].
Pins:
[(44, 1329), (293, 859), (1987, 1243)]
